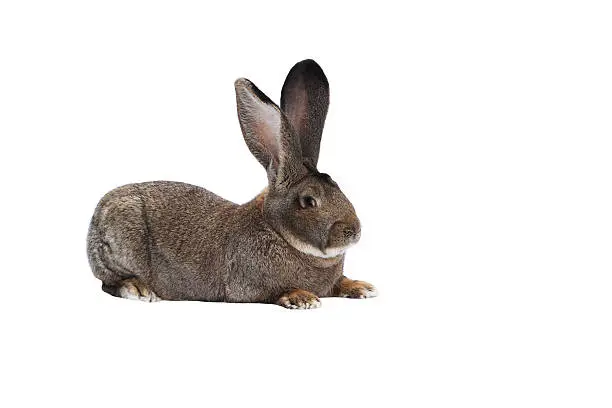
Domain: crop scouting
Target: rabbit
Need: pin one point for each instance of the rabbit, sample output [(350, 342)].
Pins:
[(165, 240)]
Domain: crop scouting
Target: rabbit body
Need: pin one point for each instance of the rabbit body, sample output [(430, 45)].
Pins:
[(174, 241), (185, 243)]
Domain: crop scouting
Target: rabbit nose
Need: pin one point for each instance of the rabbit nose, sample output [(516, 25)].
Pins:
[(352, 231), (356, 234), (344, 233)]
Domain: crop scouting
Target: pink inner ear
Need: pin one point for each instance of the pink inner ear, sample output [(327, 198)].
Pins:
[(296, 111), (262, 125), (267, 139), (267, 128)]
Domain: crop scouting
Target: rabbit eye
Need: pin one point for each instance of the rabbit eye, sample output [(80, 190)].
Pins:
[(308, 202)]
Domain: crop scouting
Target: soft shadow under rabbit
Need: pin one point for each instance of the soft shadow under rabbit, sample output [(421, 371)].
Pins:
[(174, 241)]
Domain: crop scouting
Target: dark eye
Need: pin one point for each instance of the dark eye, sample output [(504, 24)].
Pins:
[(308, 202)]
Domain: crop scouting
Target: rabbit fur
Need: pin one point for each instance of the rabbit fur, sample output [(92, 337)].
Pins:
[(175, 241)]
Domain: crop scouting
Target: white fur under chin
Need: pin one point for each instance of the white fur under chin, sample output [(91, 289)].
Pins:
[(312, 250)]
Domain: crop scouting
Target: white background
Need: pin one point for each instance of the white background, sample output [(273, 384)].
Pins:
[(472, 137)]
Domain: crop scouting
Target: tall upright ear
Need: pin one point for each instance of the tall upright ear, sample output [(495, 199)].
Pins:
[(267, 133), (304, 100)]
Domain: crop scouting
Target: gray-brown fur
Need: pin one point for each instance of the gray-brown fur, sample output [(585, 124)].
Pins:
[(183, 242)]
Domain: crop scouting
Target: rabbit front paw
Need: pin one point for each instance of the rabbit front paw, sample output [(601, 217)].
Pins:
[(299, 299), (355, 289)]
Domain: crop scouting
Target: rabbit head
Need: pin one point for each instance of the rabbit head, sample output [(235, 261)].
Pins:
[(304, 206)]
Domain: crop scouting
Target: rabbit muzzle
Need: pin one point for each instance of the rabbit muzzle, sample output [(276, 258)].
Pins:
[(343, 234)]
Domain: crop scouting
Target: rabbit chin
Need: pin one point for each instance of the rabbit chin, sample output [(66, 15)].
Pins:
[(309, 249)]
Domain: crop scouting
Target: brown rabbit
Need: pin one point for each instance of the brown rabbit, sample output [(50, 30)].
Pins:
[(174, 241)]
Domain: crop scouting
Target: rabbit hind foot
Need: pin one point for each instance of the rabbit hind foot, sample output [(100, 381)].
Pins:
[(135, 290)]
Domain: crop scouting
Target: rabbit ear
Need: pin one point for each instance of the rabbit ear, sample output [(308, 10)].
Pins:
[(267, 133), (304, 100)]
